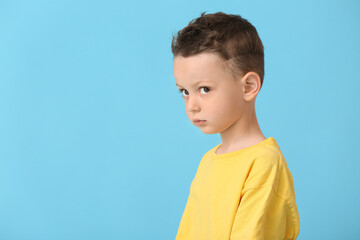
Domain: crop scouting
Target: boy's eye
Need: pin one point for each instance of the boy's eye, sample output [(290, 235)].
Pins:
[(206, 91), (181, 91)]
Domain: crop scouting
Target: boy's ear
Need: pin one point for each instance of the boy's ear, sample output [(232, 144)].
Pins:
[(251, 84)]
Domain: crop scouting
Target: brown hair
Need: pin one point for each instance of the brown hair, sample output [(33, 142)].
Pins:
[(230, 36)]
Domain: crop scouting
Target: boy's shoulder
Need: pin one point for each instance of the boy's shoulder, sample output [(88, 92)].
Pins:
[(268, 167), (267, 154), (261, 161)]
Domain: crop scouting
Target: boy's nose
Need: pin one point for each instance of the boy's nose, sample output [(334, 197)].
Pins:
[(192, 105)]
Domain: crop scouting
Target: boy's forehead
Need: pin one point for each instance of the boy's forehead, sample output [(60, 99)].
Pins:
[(196, 82), (193, 77), (199, 67)]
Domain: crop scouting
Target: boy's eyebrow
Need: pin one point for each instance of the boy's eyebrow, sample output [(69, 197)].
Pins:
[(195, 83)]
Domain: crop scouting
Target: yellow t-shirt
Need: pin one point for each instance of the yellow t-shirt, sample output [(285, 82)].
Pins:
[(241, 195)]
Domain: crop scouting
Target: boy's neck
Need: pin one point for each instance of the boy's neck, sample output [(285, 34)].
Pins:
[(242, 134)]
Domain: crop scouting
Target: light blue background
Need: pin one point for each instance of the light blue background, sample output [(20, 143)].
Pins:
[(94, 139)]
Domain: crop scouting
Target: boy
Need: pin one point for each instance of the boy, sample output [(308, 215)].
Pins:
[(243, 188)]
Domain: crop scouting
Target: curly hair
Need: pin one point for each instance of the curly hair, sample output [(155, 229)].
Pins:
[(230, 36)]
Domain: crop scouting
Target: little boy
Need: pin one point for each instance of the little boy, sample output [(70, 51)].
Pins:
[(243, 188)]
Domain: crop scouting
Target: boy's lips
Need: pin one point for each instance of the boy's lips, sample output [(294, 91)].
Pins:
[(199, 121)]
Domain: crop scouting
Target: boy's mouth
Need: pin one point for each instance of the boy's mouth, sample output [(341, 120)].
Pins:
[(198, 121)]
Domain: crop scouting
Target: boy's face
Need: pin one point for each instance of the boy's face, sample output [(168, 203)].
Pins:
[(217, 99)]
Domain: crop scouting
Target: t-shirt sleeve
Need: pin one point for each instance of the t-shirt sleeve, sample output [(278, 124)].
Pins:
[(261, 214)]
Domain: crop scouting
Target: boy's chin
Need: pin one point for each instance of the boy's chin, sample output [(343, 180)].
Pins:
[(208, 131)]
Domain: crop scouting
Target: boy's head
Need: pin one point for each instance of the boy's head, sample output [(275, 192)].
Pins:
[(231, 37), (225, 56)]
